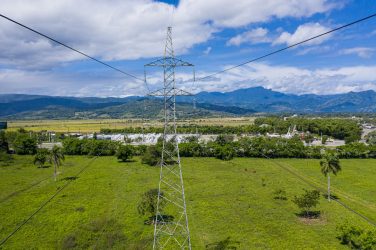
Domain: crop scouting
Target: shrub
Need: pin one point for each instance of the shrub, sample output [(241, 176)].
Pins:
[(307, 201), (124, 152), (40, 157), (225, 152), (152, 155), (357, 238), (25, 145), (4, 147)]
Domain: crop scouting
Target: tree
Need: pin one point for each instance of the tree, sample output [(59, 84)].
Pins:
[(40, 157), (225, 152), (324, 139), (148, 203), (224, 139), (124, 152), (3, 142), (307, 201), (329, 164), (24, 144), (56, 157), (152, 155)]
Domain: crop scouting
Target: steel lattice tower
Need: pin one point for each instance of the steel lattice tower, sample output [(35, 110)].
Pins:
[(171, 229)]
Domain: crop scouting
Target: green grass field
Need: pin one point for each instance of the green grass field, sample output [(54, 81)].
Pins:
[(224, 199)]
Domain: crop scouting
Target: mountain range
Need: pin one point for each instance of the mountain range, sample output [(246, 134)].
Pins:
[(239, 102)]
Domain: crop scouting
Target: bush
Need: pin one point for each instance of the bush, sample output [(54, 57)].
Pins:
[(225, 152), (74, 146), (4, 147), (307, 201), (25, 145), (40, 157), (357, 238), (224, 139), (124, 152), (152, 155)]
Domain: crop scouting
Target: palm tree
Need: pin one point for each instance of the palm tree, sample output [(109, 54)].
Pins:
[(56, 157), (329, 164)]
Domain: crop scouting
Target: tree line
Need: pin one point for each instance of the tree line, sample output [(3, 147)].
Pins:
[(222, 148), (343, 129)]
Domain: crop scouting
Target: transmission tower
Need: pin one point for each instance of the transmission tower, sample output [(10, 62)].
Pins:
[(171, 229)]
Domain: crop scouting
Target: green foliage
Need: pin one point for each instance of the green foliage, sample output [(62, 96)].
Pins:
[(351, 138), (40, 157), (357, 238), (357, 150), (330, 164), (74, 146), (225, 152), (56, 157), (307, 201), (224, 139), (152, 155), (148, 203), (4, 146), (333, 127), (308, 138), (324, 139), (24, 144), (125, 152), (371, 138)]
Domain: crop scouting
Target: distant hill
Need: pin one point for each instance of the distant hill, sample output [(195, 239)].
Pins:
[(266, 100), (209, 104), (54, 107)]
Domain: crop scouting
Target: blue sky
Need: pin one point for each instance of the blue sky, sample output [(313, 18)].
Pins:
[(211, 34)]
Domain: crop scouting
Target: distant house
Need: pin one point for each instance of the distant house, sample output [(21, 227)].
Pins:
[(3, 125)]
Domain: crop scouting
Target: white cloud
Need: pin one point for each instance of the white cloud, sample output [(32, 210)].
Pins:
[(67, 84), (280, 78), (295, 80), (127, 29), (208, 50), (304, 32), (258, 35), (362, 52)]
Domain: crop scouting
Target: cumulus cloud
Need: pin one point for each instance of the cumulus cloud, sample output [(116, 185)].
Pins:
[(304, 32), (362, 52), (286, 79), (258, 35), (128, 29), (295, 80)]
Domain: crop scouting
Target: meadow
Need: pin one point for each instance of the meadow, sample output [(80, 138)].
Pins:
[(95, 125), (98, 209)]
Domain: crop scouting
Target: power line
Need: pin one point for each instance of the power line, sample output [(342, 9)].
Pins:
[(321, 190), (288, 47), (71, 48), (46, 202)]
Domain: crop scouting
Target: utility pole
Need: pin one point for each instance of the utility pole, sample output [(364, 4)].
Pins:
[(171, 229)]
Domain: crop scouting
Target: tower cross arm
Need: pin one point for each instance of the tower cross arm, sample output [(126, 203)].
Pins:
[(175, 91), (169, 61)]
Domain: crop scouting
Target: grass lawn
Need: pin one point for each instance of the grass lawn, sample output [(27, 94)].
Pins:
[(224, 199)]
